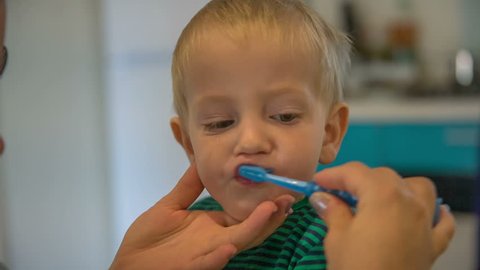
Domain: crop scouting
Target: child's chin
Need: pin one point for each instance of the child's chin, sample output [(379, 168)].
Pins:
[(240, 212)]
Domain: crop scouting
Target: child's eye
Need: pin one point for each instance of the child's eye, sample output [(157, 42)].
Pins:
[(285, 117), (219, 125)]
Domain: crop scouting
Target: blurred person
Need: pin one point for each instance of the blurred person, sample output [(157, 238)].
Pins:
[(3, 55), (3, 63)]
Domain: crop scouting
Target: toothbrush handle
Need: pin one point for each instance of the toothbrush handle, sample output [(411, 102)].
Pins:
[(345, 196), (352, 201)]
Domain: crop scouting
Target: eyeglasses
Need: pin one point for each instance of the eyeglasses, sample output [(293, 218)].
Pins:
[(3, 62)]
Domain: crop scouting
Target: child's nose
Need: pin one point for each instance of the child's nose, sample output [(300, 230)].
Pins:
[(253, 138)]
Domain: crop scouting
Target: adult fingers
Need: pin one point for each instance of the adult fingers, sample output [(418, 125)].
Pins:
[(353, 177), (261, 223), (252, 231), (284, 204), (332, 210), (216, 259), (425, 192), (281, 205), (443, 232), (186, 191)]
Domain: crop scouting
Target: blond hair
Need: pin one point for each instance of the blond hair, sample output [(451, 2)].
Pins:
[(290, 22)]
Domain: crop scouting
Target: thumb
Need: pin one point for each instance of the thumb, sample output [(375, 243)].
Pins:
[(443, 232), (332, 210), (251, 230)]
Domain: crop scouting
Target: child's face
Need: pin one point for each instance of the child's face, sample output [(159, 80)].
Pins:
[(251, 104)]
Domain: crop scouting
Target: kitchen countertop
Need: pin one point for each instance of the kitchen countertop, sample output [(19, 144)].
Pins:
[(423, 109)]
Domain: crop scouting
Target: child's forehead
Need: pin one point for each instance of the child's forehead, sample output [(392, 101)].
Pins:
[(253, 41), (255, 62), (224, 55), (261, 73)]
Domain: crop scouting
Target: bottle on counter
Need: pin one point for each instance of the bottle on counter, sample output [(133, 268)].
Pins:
[(402, 34)]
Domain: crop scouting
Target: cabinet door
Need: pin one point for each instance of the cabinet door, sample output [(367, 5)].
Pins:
[(419, 148), (442, 149)]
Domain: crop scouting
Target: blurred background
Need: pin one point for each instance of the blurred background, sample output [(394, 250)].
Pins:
[(85, 104)]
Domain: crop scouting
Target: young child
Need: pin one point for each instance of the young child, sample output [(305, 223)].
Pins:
[(260, 82)]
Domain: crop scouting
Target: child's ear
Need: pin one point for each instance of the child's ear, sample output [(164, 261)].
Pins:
[(335, 129), (182, 136)]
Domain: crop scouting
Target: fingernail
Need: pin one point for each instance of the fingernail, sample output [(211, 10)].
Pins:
[(319, 202), (447, 207), (288, 208)]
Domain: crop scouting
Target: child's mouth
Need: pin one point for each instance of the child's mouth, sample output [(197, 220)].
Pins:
[(245, 181), (242, 180)]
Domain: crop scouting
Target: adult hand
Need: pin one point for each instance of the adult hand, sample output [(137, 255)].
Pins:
[(2, 145), (167, 236), (392, 227)]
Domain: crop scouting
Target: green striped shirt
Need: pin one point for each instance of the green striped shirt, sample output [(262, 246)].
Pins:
[(296, 244)]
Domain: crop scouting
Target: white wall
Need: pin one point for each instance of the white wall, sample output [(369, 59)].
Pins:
[(53, 171), (471, 21), (145, 161)]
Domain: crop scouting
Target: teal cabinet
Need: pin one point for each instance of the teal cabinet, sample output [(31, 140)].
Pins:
[(414, 148)]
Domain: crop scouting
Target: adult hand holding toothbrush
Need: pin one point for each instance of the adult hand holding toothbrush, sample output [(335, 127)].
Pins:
[(392, 227)]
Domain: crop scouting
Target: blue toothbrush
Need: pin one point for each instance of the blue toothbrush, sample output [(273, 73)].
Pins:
[(259, 174)]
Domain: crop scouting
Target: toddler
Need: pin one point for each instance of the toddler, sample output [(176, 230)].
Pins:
[(260, 82)]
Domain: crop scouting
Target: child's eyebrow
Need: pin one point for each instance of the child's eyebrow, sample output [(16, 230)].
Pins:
[(282, 90), (288, 91), (208, 100)]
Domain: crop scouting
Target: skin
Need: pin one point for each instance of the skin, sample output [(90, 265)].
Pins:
[(258, 103), (394, 219), (2, 145)]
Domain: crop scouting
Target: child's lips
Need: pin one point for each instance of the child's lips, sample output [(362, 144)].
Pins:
[(245, 181)]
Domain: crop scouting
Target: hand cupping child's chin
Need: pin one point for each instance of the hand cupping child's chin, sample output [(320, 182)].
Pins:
[(280, 206)]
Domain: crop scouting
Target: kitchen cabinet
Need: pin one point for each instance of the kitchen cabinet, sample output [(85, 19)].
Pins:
[(447, 149)]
